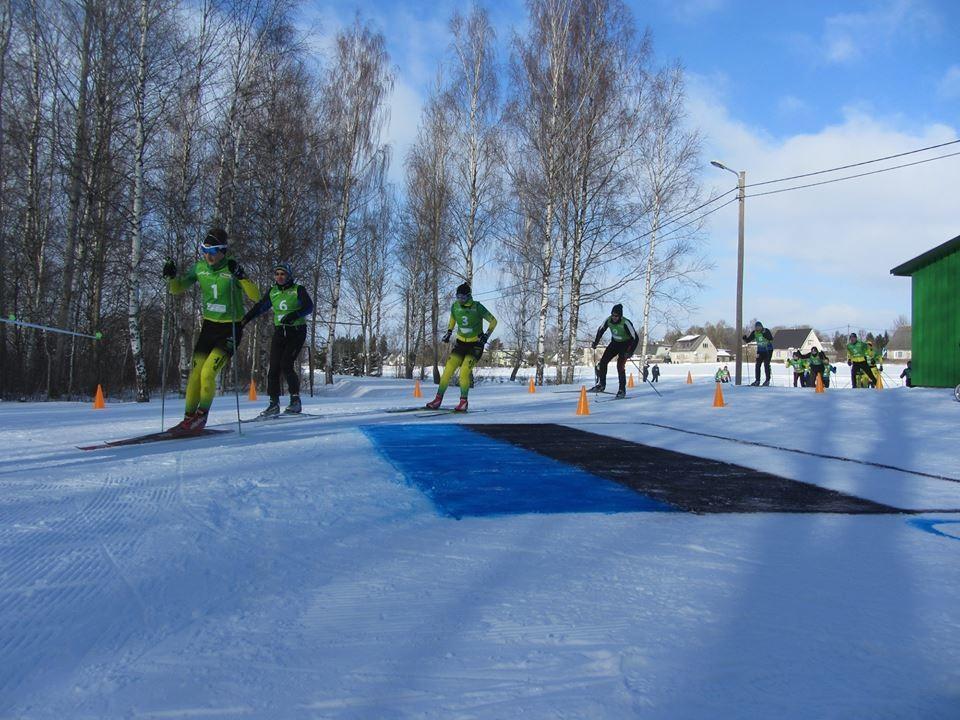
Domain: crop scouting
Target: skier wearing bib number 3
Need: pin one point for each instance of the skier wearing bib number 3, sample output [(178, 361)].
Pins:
[(222, 307), (291, 305), (467, 316)]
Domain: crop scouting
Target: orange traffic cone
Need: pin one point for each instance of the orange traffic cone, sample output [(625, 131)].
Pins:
[(253, 390), (532, 387), (630, 381), (819, 383), (583, 406), (416, 389), (718, 397), (689, 378), (98, 403)]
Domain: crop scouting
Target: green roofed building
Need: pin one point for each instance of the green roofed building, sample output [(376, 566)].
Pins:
[(935, 276)]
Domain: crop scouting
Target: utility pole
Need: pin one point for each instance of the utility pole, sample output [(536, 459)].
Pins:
[(741, 196)]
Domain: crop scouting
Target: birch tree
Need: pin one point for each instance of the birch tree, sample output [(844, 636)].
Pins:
[(356, 91)]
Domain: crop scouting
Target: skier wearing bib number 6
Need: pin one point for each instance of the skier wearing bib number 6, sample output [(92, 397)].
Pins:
[(467, 316), (218, 275), (291, 305)]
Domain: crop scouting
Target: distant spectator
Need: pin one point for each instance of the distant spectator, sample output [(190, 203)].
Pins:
[(905, 375), (645, 371), (655, 373)]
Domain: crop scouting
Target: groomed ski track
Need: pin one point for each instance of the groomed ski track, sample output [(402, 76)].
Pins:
[(292, 570)]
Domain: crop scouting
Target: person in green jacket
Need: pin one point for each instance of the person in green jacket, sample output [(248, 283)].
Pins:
[(799, 366), (218, 275), (467, 316), (622, 346), (857, 351), (764, 340), (291, 304), (819, 365)]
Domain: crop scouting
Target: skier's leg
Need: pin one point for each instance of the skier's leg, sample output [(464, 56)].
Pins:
[(608, 354), (622, 371), (466, 371), (208, 376), (193, 383), (293, 342), (276, 362), (756, 368), (453, 362)]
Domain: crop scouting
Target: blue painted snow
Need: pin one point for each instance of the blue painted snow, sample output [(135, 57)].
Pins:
[(468, 474), (930, 525)]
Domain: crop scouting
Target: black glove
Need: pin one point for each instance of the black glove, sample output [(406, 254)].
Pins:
[(746, 338), (289, 319), (850, 363), (593, 346), (170, 269), (477, 350), (234, 267), (446, 336), (230, 344), (482, 338)]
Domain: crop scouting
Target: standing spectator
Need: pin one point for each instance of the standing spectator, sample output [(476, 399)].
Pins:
[(645, 371), (905, 375), (764, 340), (655, 373)]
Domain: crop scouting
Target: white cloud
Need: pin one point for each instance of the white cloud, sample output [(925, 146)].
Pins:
[(949, 86), (813, 251), (849, 36), (792, 105)]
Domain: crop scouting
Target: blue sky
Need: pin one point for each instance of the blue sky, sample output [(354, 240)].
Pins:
[(777, 89)]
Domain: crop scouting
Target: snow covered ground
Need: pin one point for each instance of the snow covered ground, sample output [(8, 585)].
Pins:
[(297, 571)]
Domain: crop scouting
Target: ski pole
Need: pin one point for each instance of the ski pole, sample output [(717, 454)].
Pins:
[(646, 381), (163, 358), (11, 320), (233, 358)]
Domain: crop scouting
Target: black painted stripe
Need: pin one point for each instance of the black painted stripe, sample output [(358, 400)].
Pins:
[(692, 483)]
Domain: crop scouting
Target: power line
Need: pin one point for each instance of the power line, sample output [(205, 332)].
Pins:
[(850, 177), (853, 165)]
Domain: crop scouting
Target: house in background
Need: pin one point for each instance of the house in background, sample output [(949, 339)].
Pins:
[(724, 355), (935, 329), (786, 341), (898, 348), (693, 349)]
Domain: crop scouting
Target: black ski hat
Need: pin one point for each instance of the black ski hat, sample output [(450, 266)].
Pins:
[(464, 289), (617, 310), (286, 268), (216, 237)]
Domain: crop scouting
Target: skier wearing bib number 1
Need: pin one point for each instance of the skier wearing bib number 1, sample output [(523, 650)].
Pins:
[(291, 305), (218, 275), (467, 316)]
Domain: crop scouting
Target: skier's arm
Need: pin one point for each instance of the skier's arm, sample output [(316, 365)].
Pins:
[(634, 337), (600, 332), (250, 289), (262, 305), (182, 283), (491, 322), (306, 306)]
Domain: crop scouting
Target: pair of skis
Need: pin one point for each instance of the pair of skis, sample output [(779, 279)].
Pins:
[(165, 435)]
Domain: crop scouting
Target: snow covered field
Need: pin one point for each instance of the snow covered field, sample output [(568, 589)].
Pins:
[(299, 570)]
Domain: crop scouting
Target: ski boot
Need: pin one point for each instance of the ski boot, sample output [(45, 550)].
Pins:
[(435, 403), (621, 394), (755, 383), (461, 406), (598, 388), (766, 382), (272, 410), (191, 423), (182, 427), (294, 407)]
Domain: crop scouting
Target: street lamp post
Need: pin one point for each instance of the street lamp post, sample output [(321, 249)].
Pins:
[(741, 183)]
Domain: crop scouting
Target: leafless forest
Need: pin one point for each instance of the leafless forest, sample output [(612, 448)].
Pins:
[(548, 167)]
